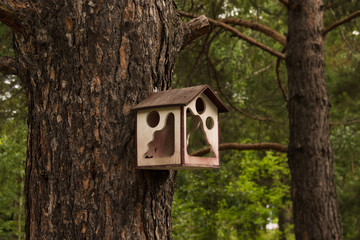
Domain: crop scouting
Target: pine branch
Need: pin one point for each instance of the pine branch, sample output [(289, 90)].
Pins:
[(7, 66), (226, 98), (9, 17), (196, 28), (344, 123), (341, 21), (239, 35), (257, 27), (342, 33), (281, 86), (207, 41), (245, 146)]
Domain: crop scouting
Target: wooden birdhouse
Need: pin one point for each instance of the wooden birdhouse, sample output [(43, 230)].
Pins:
[(172, 124)]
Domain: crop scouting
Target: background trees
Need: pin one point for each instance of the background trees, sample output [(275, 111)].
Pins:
[(12, 148), (249, 77), (236, 201)]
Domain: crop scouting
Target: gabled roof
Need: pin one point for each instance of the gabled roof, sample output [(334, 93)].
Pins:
[(180, 97)]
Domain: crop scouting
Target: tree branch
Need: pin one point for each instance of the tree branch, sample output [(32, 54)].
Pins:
[(227, 99), (256, 26), (197, 27), (341, 21), (342, 33), (7, 66), (245, 146), (344, 123), (239, 35), (10, 18), (277, 69), (207, 41), (285, 2)]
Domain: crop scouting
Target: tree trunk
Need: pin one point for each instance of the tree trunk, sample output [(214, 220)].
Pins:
[(85, 64), (310, 153)]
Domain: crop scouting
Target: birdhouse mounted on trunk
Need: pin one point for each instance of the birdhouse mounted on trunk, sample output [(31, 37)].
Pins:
[(172, 124)]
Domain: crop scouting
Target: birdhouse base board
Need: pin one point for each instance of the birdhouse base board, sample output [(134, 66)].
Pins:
[(178, 167)]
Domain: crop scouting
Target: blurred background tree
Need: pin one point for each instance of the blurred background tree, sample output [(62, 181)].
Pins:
[(251, 189), (233, 203), (12, 148)]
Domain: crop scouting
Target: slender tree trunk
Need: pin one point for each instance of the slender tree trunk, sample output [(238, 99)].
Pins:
[(85, 64), (314, 194)]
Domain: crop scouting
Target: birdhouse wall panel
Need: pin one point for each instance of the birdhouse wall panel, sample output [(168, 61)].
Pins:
[(203, 116), (201, 161), (158, 136)]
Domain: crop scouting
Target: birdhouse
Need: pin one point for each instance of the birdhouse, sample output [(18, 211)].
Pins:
[(171, 125)]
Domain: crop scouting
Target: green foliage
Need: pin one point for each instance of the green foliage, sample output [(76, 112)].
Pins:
[(12, 148), (347, 166), (12, 97), (274, 234), (246, 76), (12, 170), (12, 101), (235, 202)]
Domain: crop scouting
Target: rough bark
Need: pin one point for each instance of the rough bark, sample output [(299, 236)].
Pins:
[(85, 64), (7, 65), (313, 193)]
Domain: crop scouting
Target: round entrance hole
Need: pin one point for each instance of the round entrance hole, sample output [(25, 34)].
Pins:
[(200, 106), (153, 119), (209, 123)]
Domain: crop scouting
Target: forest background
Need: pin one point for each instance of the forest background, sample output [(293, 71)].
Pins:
[(251, 190)]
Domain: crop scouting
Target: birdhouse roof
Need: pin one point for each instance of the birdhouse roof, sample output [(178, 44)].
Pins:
[(180, 97)]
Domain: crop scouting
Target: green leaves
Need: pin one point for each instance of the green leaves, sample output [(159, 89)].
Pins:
[(235, 202), (12, 170), (13, 132)]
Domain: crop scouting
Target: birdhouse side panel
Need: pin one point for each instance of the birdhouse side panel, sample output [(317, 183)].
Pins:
[(158, 136), (204, 116)]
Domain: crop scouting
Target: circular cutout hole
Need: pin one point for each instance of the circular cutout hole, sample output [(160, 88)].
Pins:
[(153, 119), (209, 123), (200, 106)]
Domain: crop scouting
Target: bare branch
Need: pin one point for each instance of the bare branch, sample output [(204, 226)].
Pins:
[(196, 63), (197, 27), (245, 146), (345, 123), (207, 41), (285, 2), (227, 99), (342, 33), (341, 21), (258, 27), (333, 4), (7, 66), (9, 17), (277, 69), (239, 35)]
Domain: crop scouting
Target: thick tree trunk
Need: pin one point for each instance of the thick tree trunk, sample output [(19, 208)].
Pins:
[(85, 64), (314, 194)]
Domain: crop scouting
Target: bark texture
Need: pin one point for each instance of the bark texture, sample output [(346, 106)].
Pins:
[(314, 194), (85, 64)]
